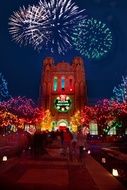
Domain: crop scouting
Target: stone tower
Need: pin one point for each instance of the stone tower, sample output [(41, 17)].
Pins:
[(63, 88)]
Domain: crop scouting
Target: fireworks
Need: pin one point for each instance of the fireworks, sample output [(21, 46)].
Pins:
[(48, 24), (92, 38), (28, 26)]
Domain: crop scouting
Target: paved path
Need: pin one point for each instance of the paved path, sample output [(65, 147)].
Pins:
[(54, 172)]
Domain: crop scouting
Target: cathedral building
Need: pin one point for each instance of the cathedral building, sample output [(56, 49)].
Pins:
[(63, 89)]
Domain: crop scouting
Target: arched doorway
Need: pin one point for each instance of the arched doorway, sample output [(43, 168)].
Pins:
[(62, 124)]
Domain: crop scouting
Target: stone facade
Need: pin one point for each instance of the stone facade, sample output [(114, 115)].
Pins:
[(66, 81)]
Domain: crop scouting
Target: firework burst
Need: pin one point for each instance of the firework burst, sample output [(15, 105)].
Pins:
[(92, 38), (48, 24), (27, 26)]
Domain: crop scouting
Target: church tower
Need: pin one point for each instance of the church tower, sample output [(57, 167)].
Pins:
[(63, 89)]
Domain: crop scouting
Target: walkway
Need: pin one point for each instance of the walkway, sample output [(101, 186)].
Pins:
[(53, 172)]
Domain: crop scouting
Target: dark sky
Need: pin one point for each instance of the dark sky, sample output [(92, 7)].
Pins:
[(21, 66)]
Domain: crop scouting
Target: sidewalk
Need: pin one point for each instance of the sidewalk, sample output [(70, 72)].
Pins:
[(103, 179), (51, 172)]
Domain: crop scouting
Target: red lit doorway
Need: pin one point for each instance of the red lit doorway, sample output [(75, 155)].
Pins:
[(62, 124)]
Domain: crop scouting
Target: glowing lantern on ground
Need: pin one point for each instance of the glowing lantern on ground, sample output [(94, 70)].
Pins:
[(4, 159), (115, 172), (103, 160)]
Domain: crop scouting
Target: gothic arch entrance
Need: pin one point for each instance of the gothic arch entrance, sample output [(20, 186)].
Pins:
[(62, 124)]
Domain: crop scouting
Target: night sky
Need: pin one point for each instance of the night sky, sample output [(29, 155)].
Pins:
[(21, 66)]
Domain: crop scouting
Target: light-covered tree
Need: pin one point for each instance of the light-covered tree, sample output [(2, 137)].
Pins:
[(75, 120), (120, 92), (24, 109), (46, 123), (4, 93)]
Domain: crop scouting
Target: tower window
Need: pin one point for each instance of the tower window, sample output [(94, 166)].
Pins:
[(63, 83), (70, 84), (55, 84)]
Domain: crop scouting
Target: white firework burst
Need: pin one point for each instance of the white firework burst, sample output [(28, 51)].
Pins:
[(17, 25), (28, 26), (37, 24)]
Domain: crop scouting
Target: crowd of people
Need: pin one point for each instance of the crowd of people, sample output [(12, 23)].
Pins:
[(72, 144)]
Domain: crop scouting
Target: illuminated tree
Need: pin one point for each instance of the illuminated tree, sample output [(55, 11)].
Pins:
[(46, 123), (75, 121), (107, 112), (24, 109), (7, 119), (4, 93), (120, 92), (88, 114), (20, 106), (121, 114)]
